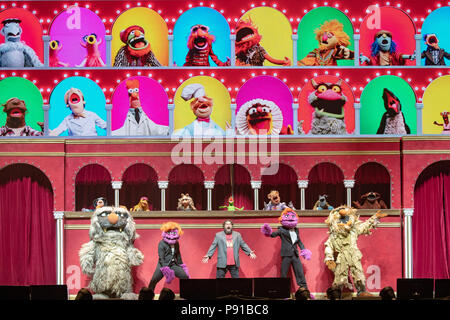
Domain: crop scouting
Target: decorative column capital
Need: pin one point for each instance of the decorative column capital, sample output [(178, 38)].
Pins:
[(209, 184), (295, 106), (163, 184), (349, 183), (233, 37), (356, 105), (302, 184), (356, 36), (116, 185), (418, 36), (408, 212), (58, 215), (256, 184), (295, 37), (170, 37), (419, 105)]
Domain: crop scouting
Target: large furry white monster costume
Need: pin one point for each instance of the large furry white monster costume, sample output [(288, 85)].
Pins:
[(109, 255)]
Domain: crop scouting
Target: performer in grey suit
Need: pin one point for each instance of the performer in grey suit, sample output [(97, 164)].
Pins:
[(229, 243)]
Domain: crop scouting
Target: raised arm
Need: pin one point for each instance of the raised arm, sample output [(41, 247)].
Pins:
[(371, 223)]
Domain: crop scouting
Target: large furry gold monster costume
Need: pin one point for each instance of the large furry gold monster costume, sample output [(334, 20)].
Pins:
[(341, 249), (109, 255)]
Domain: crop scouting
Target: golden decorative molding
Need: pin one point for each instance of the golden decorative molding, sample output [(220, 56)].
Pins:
[(306, 225), (32, 154), (420, 152)]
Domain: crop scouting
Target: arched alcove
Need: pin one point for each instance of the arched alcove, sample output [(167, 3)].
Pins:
[(91, 182), (325, 178), (285, 182), (27, 239), (232, 180), (186, 178), (372, 177)]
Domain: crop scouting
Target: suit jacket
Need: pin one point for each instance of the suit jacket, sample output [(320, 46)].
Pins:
[(220, 241), (288, 249), (165, 254), (429, 57)]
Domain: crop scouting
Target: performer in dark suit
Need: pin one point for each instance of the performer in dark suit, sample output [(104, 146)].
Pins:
[(290, 239), (434, 55), (229, 242), (170, 264)]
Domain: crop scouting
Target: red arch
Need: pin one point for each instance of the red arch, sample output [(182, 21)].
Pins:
[(91, 182), (325, 178)]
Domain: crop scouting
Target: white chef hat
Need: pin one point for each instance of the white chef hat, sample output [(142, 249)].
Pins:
[(241, 116), (194, 90)]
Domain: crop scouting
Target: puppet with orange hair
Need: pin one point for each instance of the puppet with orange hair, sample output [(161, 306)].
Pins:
[(333, 43), (248, 50), (200, 48), (170, 264)]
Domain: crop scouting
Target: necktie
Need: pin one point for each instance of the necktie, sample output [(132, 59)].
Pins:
[(137, 116)]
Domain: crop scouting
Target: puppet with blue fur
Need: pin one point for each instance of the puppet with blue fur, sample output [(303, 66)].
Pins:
[(384, 52), (13, 52)]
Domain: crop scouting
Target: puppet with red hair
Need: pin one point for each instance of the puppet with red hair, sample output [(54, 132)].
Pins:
[(137, 51), (248, 50), (200, 48), (170, 264), (333, 43), (290, 239)]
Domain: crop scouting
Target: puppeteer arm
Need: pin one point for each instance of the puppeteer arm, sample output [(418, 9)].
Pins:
[(59, 129)]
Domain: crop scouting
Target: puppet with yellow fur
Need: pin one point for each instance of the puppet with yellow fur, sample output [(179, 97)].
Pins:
[(333, 43)]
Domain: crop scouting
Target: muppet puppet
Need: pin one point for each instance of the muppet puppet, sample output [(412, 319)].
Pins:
[(341, 249), (275, 202), (13, 52), (15, 125), (54, 47), (186, 203), (137, 123), (446, 124), (261, 117), (393, 120), (322, 203), (110, 254), (333, 43), (248, 50), (200, 48), (201, 106), (137, 51), (328, 102), (384, 52), (80, 122), (142, 205), (169, 264), (434, 55), (290, 239), (370, 200), (93, 57), (230, 206)]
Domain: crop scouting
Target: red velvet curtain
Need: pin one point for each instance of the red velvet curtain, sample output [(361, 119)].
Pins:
[(27, 236), (325, 178), (92, 181), (140, 180), (186, 178), (240, 186), (431, 223), (285, 181), (372, 176)]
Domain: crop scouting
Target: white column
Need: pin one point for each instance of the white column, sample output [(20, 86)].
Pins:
[(59, 216), (418, 38), (295, 115), (209, 185), (163, 185), (116, 185), (256, 185), (108, 108), (294, 49), (46, 40), (171, 108), (233, 49), (108, 39), (170, 38), (419, 110), (356, 37), (357, 107), (407, 240), (233, 107), (349, 184), (302, 184), (46, 108)]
